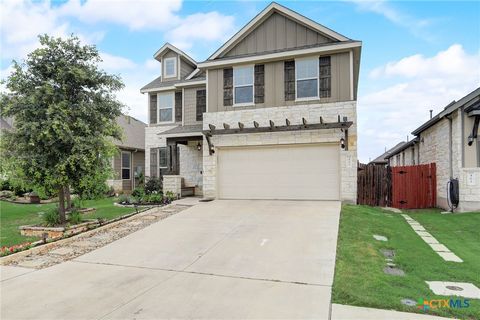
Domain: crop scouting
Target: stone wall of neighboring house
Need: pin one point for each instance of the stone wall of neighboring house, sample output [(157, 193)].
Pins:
[(191, 166), (312, 113), (434, 147)]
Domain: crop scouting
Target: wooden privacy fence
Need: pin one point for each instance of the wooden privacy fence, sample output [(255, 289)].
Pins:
[(374, 185), (414, 187), (406, 187)]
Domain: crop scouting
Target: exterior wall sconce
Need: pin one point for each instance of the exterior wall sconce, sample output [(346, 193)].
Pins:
[(342, 143), (199, 146)]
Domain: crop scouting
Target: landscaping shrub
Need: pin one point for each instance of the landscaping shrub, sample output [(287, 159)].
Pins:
[(51, 217), (170, 196), (153, 185), (5, 185), (123, 199), (75, 217), (156, 198), (138, 193)]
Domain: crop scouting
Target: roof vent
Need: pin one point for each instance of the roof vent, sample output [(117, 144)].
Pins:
[(431, 113)]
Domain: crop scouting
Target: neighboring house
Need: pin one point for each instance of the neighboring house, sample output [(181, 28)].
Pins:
[(404, 154), (383, 159), (450, 139), (271, 114), (129, 162)]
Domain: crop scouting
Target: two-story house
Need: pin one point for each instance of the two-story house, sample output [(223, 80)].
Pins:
[(271, 114)]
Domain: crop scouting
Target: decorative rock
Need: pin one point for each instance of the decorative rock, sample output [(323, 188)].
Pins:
[(63, 251), (83, 243), (467, 290), (391, 264), (409, 302), (389, 260), (380, 238), (388, 253), (394, 271), (35, 264)]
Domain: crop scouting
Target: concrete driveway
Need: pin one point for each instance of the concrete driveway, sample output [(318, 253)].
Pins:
[(221, 259)]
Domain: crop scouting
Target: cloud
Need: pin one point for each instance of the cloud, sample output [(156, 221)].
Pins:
[(416, 26), (136, 15), (388, 114), (209, 26)]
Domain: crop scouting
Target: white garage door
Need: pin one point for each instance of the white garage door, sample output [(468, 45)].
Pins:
[(302, 171)]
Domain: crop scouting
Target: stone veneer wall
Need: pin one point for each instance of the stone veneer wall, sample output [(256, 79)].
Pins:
[(191, 166), (312, 113), (172, 184), (435, 148)]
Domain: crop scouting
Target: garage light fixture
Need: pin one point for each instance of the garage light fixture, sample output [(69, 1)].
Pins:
[(342, 143), (199, 146)]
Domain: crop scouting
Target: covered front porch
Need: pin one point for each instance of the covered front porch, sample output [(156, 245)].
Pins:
[(183, 174)]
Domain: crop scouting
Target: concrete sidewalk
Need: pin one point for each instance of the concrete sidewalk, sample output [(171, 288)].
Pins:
[(343, 312)]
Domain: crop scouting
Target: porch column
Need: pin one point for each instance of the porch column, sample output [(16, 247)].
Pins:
[(172, 183)]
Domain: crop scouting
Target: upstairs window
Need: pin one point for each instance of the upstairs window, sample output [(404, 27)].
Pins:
[(165, 107), (170, 67), (306, 78), (243, 85)]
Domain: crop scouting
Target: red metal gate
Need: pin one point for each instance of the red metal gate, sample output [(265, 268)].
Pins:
[(414, 187)]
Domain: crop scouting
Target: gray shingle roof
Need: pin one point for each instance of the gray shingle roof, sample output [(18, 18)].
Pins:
[(184, 129), (133, 133), (157, 83)]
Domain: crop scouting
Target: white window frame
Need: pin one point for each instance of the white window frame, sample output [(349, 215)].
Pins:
[(166, 157), (122, 167), (316, 58), (158, 107), (174, 59), (245, 104)]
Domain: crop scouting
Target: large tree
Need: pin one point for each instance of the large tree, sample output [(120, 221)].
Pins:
[(65, 110)]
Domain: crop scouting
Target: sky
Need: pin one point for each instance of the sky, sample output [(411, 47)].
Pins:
[(417, 55)]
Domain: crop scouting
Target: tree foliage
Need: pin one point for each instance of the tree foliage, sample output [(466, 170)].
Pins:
[(64, 109)]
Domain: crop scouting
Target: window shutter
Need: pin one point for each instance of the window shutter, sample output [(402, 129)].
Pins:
[(201, 103), (228, 87), (259, 81), (289, 82), (178, 106), (154, 162), (153, 108), (325, 77)]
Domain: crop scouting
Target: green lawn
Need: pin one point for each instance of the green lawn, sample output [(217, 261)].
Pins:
[(359, 278), (13, 215)]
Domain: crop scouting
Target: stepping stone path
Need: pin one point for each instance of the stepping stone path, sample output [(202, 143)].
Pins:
[(393, 271), (461, 289), (380, 238), (439, 248), (388, 253), (66, 250), (409, 302)]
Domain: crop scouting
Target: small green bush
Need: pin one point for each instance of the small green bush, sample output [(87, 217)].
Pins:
[(170, 196), (123, 199), (138, 193), (75, 217), (51, 217)]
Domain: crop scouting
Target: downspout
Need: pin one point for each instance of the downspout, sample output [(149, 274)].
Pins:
[(450, 145)]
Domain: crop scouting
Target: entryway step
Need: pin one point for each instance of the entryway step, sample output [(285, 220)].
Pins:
[(188, 191)]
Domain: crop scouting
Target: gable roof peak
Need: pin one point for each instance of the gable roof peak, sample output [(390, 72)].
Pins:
[(168, 46), (267, 12)]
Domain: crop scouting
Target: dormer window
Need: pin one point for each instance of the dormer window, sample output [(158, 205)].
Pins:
[(170, 67)]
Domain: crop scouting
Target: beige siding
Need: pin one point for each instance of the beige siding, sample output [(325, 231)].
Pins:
[(277, 32), (185, 68), (274, 85), (190, 106), (169, 54), (470, 152)]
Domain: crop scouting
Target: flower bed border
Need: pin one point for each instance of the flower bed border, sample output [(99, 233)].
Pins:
[(34, 247), (58, 232)]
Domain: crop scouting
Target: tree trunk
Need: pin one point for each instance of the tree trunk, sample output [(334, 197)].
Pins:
[(61, 207), (68, 198)]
